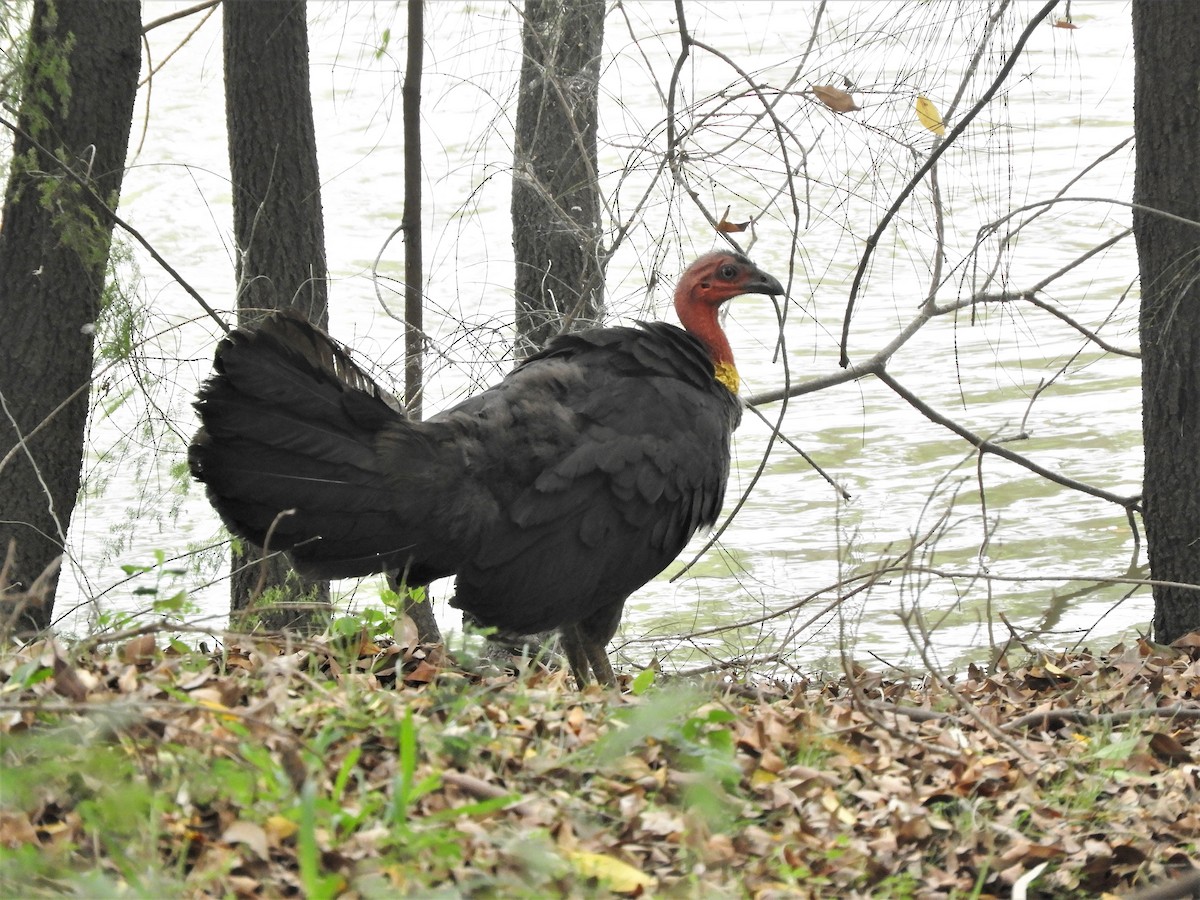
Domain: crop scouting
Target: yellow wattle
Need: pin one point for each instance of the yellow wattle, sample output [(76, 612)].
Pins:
[(727, 374)]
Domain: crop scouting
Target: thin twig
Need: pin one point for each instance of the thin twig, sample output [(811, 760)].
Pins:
[(1013, 55)]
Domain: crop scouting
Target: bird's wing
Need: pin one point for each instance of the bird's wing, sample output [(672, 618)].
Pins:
[(616, 451)]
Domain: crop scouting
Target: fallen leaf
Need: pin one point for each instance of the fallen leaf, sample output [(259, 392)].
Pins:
[(719, 850), (762, 778), (141, 649), (68, 682), (661, 823), (422, 673), (1191, 640), (619, 877), (1056, 670), (15, 830), (127, 681), (278, 829), (214, 706), (835, 98), (245, 886), (1168, 748), (407, 633), (250, 834), (1065, 23)]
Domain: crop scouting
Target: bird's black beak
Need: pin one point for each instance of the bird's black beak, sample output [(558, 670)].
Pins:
[(759, 282)]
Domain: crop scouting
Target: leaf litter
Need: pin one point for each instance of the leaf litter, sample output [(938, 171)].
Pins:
[(364, 768)]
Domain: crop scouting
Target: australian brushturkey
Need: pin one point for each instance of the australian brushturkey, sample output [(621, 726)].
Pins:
[(551, 496)]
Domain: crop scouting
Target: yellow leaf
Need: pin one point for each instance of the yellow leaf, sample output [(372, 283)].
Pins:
[(620, 877), (762, 777), (215, 706), (833, 745), (835, 98), (279, 829), (928, 115)]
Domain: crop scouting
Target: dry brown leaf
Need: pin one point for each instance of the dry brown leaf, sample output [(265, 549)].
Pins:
[(727, 227), (718, 850), (422, 673), (1168, 748), (16, 829), (662, 823), (1190, 641), (139, 650), (835, 98), (245, 886), (409, 635), (68, 682), (249, 833), (128, 680)]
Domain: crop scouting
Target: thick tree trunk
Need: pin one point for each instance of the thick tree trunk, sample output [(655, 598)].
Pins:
[(1167, 178), (279, 229), (556, 197), (54, 250)]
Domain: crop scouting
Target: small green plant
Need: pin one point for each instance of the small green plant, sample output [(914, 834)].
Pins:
[(693, 736), (166, 597), (73, 779), (315, 883), (900, 886)]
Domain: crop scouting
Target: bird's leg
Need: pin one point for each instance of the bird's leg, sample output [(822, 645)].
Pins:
[(601, 666), (575, 647)]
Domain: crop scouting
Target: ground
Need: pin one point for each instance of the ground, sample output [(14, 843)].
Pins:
[(138, 765)]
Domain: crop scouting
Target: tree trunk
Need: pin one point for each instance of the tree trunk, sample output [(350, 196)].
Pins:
[(556, 196), (279, 230), (414, 267), (54, 250), (1167, 178)]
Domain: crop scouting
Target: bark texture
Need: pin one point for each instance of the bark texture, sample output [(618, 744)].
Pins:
[(279, 229), (81, 77), (556, 196), (1167, 178)]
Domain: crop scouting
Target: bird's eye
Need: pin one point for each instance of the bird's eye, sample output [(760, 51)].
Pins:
[(729, 271)]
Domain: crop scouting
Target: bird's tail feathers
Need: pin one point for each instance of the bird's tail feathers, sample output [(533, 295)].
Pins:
[(290, 422)]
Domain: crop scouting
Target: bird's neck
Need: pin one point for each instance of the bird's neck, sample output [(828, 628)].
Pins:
[(700, 321)]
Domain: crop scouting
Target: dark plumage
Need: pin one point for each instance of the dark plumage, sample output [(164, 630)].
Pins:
[(552, 496)]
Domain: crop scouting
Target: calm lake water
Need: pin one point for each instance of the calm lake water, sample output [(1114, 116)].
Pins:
[(795, 563)]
